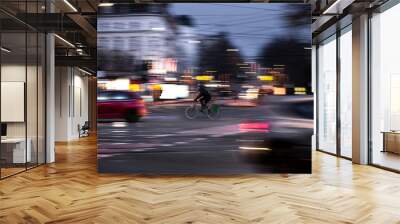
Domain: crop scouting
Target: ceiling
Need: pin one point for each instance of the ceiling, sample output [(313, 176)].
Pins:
[(76, 22)]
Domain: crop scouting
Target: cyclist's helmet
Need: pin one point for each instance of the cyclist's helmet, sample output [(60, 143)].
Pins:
[(201, 86)]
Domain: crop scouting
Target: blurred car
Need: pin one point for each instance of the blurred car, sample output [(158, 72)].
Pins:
[(120, 105), (285, 134), (249, 94), (266, 90)]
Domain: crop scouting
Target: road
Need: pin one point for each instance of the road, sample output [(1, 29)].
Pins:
[(165, 142)]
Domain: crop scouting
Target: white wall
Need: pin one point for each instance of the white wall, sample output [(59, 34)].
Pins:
[(71, 102), (80, 110), (62, 82), (12, 73)]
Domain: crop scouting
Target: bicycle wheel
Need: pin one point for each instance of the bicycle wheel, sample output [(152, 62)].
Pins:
[(213, 111), (191, 112)]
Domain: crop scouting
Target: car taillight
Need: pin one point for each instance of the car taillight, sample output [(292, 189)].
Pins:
[(142, 107), (254, 127)]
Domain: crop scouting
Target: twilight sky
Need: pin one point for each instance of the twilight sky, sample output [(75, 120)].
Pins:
[(250, 25)]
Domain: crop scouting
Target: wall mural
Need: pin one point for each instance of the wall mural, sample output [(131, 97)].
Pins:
[(210, 88)]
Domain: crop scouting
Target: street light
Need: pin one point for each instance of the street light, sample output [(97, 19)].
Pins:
[(106, 4)]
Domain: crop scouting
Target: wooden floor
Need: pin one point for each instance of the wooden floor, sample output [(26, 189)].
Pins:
[(5, 172), (387, 159), (71, 191)]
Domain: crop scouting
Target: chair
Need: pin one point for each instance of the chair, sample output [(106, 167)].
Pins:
[(84, 130)]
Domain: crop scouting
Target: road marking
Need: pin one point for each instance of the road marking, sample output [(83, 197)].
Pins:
[(218, 131), (141, 150), (199, 139), (255, 148)]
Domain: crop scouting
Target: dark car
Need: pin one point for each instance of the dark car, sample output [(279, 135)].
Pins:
[(120, 105), (285, 134)]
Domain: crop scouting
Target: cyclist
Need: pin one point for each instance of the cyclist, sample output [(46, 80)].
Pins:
[(204, 96)]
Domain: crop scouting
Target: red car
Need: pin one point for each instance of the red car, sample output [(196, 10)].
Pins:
[(120, 105)]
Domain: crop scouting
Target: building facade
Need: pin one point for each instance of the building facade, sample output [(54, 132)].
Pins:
[(143, 37)]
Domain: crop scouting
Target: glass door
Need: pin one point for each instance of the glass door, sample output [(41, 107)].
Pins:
[(345, 92), (22, 88), (385, 89), (327, 95), (14, 144)]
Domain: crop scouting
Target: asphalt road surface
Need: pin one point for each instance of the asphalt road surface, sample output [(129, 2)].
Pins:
[(165, 142)]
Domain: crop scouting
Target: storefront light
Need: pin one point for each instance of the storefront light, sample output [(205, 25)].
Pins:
[(106, 4), (204, 77), (279, 91), (265, 77), (118, 84), (299, 89)]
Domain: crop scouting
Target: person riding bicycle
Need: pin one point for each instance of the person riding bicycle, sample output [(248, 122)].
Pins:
[(204, 96)]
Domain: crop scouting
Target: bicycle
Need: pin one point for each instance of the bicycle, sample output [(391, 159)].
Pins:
[(212, 111)]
